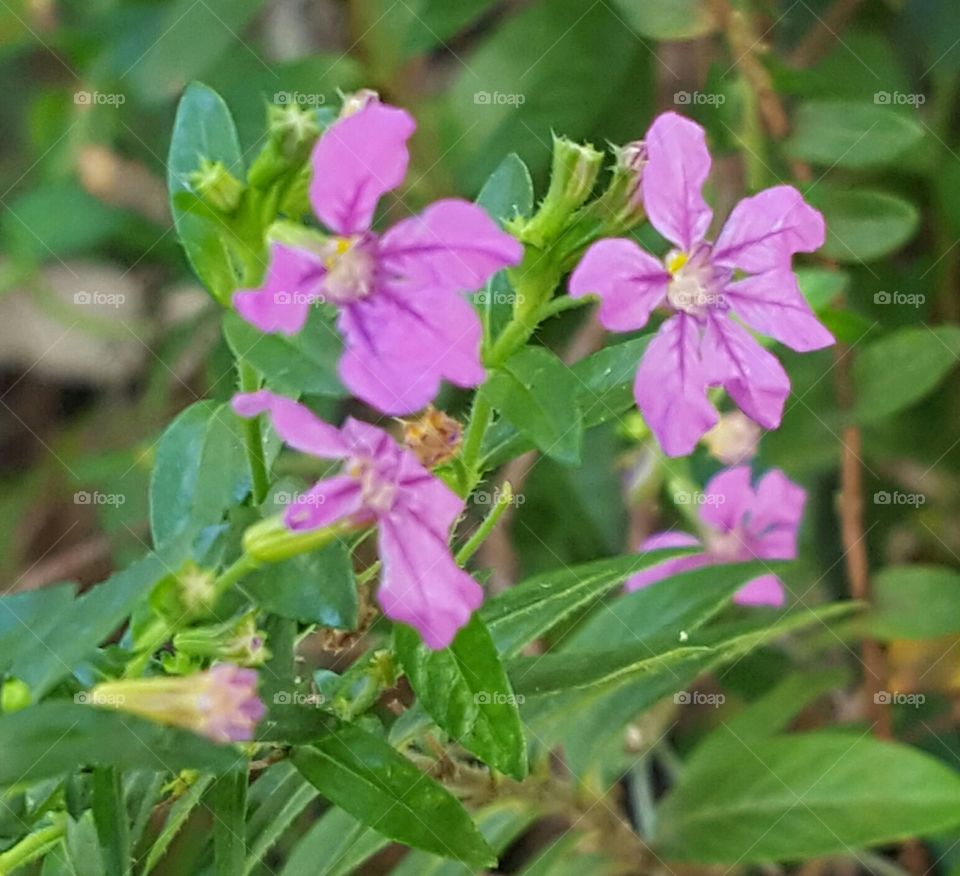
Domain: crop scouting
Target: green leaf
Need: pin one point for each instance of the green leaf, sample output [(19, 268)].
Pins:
[(229, 806), (200, 472), (604, 391), (841, 133), (805, 796), (500, 823), (863, 224), (50, 632), (534, 607), (434, 21), (304, 364), (277, 799), (335, 846), (465, 690), (110, 818), (533, 391), (534, 74), (667, 19), (900, 369), (179, 813), (915, 602), (54, 738), (821, 287), (315, 588), (506, 194), (672, 607), (365, 776), (203, 129), (187, 41)]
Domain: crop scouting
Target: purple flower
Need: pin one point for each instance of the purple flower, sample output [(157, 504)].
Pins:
[(740, 523), (221, 703), (385, 484), (404, 322), (746, 271)]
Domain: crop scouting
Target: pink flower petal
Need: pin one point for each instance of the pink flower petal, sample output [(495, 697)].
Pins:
[(677, 167), (629, 281), (282, 303), (668, 568), (772, 303), (752, 377), (764, 231), (421, 584), (775, 516), (728, 497), (295, 424), (328, 501), (402, 342), (356, 161), (765, 590), (453, 245), (671, 387)]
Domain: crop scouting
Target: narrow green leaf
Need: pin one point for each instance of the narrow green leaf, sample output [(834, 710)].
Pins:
[(365, 776), (179, 813), (54, 738), (277, 807), (916, 602), (465, 690), (335, 846), (667, 19), (229, 803), (110, 819), (805, 796), (863, 224), (533, 607)]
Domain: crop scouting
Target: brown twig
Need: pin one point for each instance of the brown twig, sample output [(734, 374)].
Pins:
[(818, 40)]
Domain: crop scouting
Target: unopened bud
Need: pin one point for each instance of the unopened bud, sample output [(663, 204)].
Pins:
[(239, 642), (216, 185), (272, 541), (622, 202), (293, 128)]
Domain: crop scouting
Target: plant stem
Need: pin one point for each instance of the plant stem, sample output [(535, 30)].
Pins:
[(480, 418), (250, 382), (486, 527), (31, 847), (232, 574)]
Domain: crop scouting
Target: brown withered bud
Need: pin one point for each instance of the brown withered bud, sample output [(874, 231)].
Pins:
[(433, 437)]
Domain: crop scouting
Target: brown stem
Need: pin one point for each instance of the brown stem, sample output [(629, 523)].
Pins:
[(821, 36)]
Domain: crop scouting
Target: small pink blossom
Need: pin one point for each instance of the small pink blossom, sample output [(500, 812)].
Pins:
[(221, 703), (740, 524), (746, 272), (383, 483), (402, 314)]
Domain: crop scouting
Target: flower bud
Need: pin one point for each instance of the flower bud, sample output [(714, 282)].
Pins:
[(622, 202), (217, 187), (271, 541), (220, 703), (236, 641), (15, 695), (358, 100), (293, 128), (734, 439)]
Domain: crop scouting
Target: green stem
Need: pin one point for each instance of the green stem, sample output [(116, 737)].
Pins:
[(232, 574), (250, 382), (31, 847), (486, 527), (156, 634), (480, 419)]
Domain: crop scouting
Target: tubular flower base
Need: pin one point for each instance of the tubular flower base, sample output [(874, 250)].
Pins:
[(221, 703)]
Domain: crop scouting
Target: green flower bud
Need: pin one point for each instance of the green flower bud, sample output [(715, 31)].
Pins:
[(216, 185), (270, 541), (14, 696), (238, 641)]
